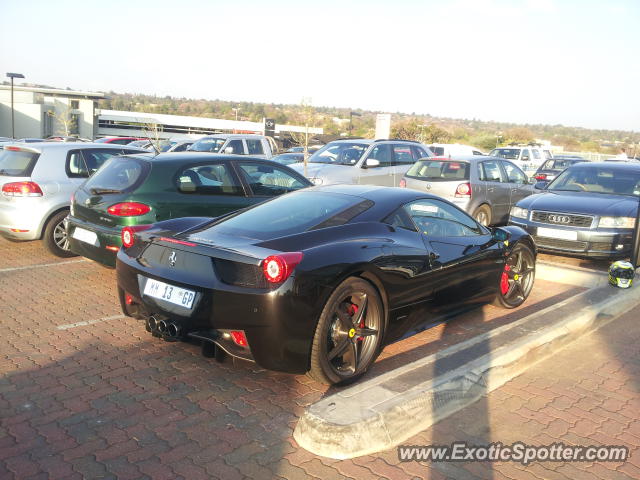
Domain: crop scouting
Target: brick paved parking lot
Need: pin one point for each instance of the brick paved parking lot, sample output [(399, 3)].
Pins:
[(87, 393)]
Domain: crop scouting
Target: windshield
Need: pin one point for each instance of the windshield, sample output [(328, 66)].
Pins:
[(508, 153), (598, 180), (286, 215), (439, 171), (208, 145), (339, 153), (117, 175), (17, 163)]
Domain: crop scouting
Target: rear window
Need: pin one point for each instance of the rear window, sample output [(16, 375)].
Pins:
[(437, 151), (286, 215), (17, 163), (118, 175), (439, 170)]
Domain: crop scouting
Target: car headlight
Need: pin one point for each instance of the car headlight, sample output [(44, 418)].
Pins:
[(617, 222), (519, 212), (316, 180)]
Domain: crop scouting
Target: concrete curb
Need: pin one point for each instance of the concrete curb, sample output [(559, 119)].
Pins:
[(382, 412)]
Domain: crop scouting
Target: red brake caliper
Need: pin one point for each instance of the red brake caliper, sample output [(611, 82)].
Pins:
[(352, 310), (504, 280)]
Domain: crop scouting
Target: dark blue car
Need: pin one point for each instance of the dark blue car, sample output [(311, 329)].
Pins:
[(589, 210)]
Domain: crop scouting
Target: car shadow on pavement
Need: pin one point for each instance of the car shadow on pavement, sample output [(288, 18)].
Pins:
[(129, 406)]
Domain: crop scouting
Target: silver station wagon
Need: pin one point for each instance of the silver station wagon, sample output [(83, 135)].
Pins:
[(485, 187)]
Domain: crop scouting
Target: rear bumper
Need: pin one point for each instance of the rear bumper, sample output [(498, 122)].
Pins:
[(106, 237), (22, 218), (592, 243), (279, 323)]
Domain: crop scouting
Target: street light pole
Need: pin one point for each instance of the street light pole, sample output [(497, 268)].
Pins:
[(12, 76)]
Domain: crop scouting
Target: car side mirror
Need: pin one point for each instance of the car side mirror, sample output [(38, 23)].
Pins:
[(500, 235), (228, 150), (525, 158), (371, 163), (540, 185)]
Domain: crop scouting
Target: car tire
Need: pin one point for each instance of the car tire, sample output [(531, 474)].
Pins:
[(55, 236), (517, 278), (482, 215), (349, 333)]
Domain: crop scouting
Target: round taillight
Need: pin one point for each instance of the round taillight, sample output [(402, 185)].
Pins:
[(463, 190), (127, 237), (274, 269), (403, 183)]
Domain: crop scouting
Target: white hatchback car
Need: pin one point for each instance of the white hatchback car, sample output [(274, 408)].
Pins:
[(37, 181), (362, 161)]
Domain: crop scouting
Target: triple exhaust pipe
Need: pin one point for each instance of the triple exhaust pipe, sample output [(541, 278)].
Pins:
[(165, 328)]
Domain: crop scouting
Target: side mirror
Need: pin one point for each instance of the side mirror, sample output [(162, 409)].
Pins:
[(371, 163), (525, 158), (500, 235), (540, 185), (228, 150), (186, 185)]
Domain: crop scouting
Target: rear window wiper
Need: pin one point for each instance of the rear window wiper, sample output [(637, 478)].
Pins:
[(100, 191)]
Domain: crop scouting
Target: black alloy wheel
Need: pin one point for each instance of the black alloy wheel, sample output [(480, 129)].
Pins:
[(349, 333), (517, 278)]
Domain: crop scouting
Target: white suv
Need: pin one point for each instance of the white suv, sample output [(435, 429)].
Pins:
[(527, 157), (361, 161)]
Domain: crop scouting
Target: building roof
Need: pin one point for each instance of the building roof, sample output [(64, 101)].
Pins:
[(56, 91)]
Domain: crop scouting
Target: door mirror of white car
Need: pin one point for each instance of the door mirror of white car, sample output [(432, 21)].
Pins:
[(525, 158), (228, 150), (371, 163)]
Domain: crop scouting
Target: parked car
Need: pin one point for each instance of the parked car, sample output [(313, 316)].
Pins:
[(6, 140), (180, 145), (37, 181), (589, 210), (236, 144), (119, 140), (289, 158), (453, 150), (527, 157), (62, 138), (552, 167), (310, 149), (361, 161), (485, 187), (319, 280), (30, 140), (144, 189)]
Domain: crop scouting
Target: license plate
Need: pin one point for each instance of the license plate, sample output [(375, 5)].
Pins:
[(169, 293), (556, 233), (85, 236)]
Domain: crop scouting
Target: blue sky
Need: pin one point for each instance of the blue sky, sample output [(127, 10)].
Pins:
[(526, 61)]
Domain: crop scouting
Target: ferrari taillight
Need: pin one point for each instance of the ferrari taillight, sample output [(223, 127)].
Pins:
[(277, 268), (128, 234)]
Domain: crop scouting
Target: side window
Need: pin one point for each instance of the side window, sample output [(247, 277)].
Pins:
[(548, 165), (438, 219), (536, 154), (514, 174), (383, 154), (254, 147), (400, 219), (490, 172), (238, 148), (419, 152), (208, 179), (476, 152), (402, 155), (525, 155), (269, 180), (76, 167)]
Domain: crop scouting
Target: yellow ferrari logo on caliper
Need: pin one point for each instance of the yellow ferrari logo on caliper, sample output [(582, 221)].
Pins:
[(352, 333), (515, 277)]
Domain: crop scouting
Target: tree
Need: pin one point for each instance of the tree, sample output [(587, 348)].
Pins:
[(66, 122), (519, 135), (309, 120)]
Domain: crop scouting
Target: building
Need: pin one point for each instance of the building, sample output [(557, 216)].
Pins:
[(42, 112)]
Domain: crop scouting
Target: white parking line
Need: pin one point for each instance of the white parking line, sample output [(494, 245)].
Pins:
[(41, 265), (88, 322)]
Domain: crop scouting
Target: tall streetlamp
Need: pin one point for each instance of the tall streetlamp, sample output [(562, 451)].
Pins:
[(12, 76), (351, 115), (236, 110)]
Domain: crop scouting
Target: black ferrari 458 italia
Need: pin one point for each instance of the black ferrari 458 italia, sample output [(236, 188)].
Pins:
[(321, 279)]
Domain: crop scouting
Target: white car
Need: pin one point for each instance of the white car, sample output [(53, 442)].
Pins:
[(361, 161), (528, 157), (453, 150)]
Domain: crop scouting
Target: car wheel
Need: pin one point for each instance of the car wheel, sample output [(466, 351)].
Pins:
[(349, 333), (55, 236), (483, 215), (518, 275)]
